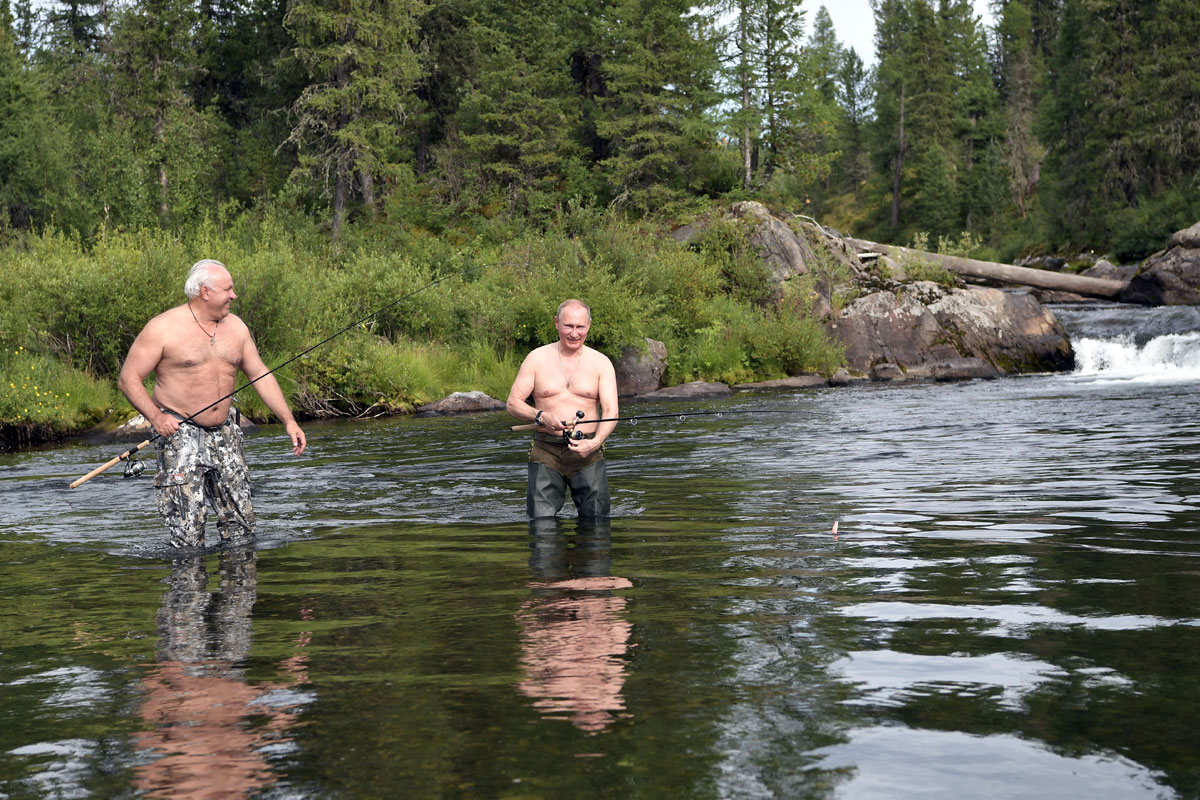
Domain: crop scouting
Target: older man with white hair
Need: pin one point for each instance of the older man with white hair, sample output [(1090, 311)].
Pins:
[(195, 351)]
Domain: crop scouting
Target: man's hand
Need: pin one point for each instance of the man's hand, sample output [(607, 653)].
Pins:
[(583, 447), (164, 424), (297, 437)]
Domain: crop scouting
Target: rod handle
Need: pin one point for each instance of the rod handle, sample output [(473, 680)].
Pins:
[(105, 466), (528, 427)]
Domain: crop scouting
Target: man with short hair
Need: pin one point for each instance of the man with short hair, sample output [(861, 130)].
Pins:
[(195, 351), (564, 379)]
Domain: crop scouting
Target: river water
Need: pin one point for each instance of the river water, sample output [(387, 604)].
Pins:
[(1008, 607)]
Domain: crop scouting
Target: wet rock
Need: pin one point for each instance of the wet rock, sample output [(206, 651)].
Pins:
[(1170, 277), (844, 378), (461, 403), (693, 390), (641, 372), (794, 382), (953, 369), (888, 334)]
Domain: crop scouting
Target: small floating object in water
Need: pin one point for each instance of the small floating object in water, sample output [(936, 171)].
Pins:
[(835, 522)]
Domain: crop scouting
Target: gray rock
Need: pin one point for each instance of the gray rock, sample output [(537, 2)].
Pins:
[(461, 403), (794, 382), (844, 378), (1188, 237), (695, 389), (1170, 277), (786, 253), (953, 369), (686, 234), (641, 372), (888, 334), (1106, 269)]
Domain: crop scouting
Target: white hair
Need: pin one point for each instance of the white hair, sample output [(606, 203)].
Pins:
[(200, 275)]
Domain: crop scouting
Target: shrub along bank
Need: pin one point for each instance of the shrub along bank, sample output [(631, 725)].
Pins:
[(68, 314)]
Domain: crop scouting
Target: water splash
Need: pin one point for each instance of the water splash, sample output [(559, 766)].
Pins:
[(1173, 357)]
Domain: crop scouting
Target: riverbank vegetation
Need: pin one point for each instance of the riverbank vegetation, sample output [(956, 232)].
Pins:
[(80, 307), (338, 155)]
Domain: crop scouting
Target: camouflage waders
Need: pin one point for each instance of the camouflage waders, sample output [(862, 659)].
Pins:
[(553, 468), (198, 465)]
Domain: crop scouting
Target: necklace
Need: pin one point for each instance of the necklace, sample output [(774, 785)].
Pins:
[(212, 337), (567, 377)]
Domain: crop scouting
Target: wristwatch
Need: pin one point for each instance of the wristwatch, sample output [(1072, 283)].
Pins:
[(537, 418)]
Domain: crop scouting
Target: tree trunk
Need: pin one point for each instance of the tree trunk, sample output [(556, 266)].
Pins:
[(899, 165), (1001, 273), (341, 188), (367, 184), (747, 166)]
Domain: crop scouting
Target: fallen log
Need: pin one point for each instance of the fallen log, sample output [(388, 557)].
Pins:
[(1001, 273)]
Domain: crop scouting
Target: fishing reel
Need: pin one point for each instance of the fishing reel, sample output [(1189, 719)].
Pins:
[(572, 433), (134, 467)]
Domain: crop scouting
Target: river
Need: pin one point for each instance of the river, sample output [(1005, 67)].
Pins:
[(1006, 608)]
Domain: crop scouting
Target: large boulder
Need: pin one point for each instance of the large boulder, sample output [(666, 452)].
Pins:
[(785, 253), (641, 372), (461, 403), (927, 331), (689, 391), (1170, 277)]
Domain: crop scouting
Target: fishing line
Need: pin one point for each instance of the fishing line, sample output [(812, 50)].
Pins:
[(133, 450)]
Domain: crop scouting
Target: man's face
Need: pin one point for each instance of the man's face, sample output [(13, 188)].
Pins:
[(219, 295), (572, 324)]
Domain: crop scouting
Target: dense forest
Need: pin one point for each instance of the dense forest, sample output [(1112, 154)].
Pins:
[(1071, 124)]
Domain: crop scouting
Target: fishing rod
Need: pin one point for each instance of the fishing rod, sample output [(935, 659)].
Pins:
[(633, 420), (133, 450)]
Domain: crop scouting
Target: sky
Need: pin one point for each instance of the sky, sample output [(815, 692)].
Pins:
[(855, 24)]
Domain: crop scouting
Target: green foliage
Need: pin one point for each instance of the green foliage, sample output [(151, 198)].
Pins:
[(39, 391), (82, 308), (916, 267)]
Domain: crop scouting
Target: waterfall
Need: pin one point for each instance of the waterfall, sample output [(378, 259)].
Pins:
[(1124, 343)]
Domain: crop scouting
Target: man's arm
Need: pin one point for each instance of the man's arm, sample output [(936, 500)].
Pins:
[(143, 357), (268, 389), (522, 388)]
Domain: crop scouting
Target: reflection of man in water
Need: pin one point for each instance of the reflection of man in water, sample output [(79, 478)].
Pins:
[(574, 637), (198, 703)]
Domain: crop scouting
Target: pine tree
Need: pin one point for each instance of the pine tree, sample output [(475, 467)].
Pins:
[(362, 66), (658, 72), (512, 134), (827, 55), (34, 175), (976, 121), (854, 99)]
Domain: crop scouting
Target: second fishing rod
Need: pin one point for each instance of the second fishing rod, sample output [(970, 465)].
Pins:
[(134, 450)]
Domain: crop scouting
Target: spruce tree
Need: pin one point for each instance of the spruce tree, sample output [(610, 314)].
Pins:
[(34, 173), (512, 136), (362, 68), (658, 71)]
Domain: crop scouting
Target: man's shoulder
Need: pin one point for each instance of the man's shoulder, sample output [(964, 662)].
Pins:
[(167, 319), (539, 354), (596, 357)]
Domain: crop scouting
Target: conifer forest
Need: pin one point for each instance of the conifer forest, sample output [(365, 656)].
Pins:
[(1067, 124)]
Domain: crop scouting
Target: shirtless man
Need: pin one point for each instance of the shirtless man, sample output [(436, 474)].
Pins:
[(564, 378), (195, 351)]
